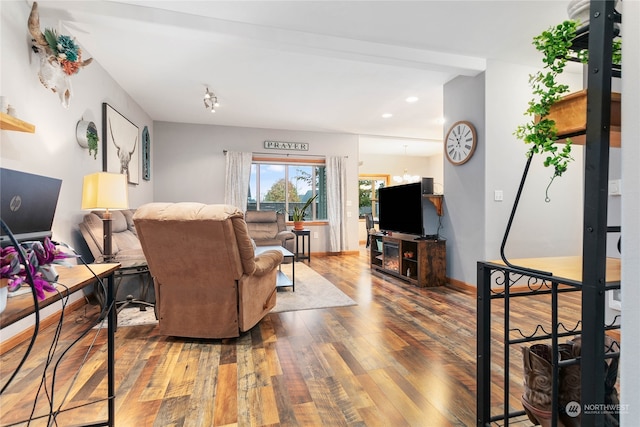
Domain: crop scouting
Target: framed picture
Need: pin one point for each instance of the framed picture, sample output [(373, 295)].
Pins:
[(120, 144)]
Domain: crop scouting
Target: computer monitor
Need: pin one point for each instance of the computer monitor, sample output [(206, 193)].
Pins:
[(28, 205)]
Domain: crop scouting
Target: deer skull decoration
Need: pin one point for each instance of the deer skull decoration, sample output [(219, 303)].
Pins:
[(60, 58)]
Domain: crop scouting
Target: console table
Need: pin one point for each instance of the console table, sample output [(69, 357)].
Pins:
[(305, 253), (75, 278)]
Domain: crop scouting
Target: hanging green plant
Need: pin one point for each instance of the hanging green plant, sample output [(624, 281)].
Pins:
[(541, 132)]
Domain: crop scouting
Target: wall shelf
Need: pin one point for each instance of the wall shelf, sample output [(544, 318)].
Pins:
[(8, 122), (436, 200)]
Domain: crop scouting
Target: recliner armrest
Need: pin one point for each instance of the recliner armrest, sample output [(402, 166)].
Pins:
[(267, 261), (285, 235)]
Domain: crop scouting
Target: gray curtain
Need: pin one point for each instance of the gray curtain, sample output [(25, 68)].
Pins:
[(336, 194), (238, 173)]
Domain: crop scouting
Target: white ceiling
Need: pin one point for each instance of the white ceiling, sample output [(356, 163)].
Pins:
[(329, 66)]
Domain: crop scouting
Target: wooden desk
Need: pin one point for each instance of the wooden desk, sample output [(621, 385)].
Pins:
[(568, 267), (75, 278)]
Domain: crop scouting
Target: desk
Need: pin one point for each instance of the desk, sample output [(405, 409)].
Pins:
[(75, 278), (568, 267), (305, 253)]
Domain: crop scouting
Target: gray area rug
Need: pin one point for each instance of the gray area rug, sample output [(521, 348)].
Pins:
[(312, 292)]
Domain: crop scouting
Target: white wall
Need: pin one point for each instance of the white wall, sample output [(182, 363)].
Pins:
[(191, 164), (53, 151), (629, 382), (464, 188), (430, 166), (539, 228)]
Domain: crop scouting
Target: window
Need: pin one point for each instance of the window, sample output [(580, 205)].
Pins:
[(281, 185), (368, 186)]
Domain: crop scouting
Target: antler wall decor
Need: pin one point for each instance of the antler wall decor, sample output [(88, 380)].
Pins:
[(60, 57)]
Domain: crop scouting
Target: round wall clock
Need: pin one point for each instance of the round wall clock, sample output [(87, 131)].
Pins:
[(460, 142)]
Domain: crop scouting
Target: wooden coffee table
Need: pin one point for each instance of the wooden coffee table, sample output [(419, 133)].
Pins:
[(282, 280)]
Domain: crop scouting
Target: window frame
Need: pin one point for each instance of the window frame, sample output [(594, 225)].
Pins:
[(286, 163), (374, 201)]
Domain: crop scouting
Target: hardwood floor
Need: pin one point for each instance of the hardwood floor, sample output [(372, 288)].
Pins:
[(404, 356)]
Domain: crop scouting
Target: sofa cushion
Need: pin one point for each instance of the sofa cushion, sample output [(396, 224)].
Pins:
[(125, 246), (261, 216)]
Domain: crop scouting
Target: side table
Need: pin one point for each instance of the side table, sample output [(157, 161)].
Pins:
[(305, 236)]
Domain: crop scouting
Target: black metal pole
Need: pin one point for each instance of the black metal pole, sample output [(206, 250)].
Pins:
[(483, 362), (510, 222), (595, 208)]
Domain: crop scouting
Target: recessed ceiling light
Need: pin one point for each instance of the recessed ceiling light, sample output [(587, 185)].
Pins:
[(412, 99), (387, 115)]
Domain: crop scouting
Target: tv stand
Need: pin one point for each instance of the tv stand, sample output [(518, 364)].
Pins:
[(428, 237), (420, 261)]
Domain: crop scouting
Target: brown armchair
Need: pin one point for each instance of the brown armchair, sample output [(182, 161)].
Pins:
[(268, 228), (207, 279)]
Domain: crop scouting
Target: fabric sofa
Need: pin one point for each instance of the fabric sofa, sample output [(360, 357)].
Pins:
[(132, 278), (268, 228), (207, 279), (125, 246)]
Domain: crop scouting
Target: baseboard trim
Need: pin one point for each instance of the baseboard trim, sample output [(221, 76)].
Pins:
[(321, 254), (461, 286), (48, 321)]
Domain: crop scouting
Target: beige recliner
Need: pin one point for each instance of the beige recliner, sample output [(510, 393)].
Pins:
[(268, 228), (207, 279)]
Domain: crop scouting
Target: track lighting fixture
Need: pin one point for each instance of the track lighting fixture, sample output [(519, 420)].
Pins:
[(210, 100)]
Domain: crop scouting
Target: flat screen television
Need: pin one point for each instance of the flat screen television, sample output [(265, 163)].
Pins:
[(400, 208)]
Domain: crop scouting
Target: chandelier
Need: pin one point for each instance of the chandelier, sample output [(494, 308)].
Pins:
[(210, 100), (406, 178)]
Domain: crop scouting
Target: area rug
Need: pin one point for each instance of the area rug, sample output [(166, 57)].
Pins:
[(312, 292)]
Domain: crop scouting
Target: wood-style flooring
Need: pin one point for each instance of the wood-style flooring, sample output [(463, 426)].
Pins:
[(404, 356)]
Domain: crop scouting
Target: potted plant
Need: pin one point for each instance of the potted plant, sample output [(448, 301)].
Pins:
[(556, 45), (299, 213), (16, 271), (541, 132), (87, 136)]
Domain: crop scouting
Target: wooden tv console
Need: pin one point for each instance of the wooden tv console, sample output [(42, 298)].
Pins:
[(422, 263)]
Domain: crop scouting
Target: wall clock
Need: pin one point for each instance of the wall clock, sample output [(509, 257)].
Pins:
[(460, 142), (146, 155)]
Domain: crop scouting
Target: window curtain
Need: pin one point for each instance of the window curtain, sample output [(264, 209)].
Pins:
[(336, 193), (238, 173)]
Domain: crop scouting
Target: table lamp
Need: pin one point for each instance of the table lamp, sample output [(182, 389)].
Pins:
[(104, 191)]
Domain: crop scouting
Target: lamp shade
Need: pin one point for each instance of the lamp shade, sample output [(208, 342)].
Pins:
[(103, 190)]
